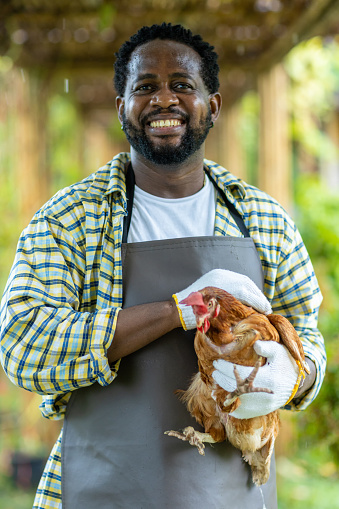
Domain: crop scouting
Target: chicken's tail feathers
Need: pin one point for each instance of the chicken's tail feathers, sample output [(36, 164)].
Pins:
[(180, 393)]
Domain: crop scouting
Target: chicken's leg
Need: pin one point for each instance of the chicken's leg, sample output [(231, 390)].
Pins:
[(245, 386), (194, 437)]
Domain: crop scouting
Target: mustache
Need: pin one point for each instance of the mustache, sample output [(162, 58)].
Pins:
[(171, 109)]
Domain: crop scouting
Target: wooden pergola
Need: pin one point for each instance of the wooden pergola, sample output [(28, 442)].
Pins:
[(71, 44)]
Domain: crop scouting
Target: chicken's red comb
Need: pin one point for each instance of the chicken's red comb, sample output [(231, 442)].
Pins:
[(195, 299)]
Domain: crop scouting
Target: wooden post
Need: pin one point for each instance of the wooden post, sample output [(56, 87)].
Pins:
[(224, 143), (99, 144), (274, 151), (30, 142), (232, 155), (329, 166)]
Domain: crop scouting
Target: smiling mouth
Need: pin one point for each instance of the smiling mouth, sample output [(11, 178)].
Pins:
[(165, 123)]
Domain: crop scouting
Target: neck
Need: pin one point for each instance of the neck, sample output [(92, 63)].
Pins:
[(169, 181)]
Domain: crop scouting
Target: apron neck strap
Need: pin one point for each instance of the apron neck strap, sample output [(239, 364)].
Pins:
[(130, 184), (231, 208)]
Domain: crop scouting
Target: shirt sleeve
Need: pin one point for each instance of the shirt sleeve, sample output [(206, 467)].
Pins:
[(297, 296), (50, 344)]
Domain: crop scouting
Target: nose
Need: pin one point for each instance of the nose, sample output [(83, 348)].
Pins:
[(164, 97)]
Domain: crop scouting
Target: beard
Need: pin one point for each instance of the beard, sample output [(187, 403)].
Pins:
[(191, 141)]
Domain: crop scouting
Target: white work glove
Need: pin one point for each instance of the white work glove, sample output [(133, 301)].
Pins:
[(280, 374), (240, 286)]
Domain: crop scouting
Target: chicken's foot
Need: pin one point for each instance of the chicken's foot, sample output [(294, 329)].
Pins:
[(245, 386), (197, 438)]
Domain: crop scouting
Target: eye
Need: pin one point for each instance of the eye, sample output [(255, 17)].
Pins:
[(144, 88), (183, 86)]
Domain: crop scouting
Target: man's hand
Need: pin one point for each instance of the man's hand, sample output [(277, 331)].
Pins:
[(240, 286), (279, 374)]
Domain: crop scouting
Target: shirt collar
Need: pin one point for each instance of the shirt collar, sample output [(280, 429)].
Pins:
[(111, 178), (230, 184)]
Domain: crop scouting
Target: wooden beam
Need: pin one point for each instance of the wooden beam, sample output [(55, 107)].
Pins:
[(243, 35), (309, 24)]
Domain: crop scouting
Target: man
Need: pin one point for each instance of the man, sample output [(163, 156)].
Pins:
[(93, 280)]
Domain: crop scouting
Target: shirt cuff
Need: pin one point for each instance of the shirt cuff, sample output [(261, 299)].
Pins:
[(103, 327)]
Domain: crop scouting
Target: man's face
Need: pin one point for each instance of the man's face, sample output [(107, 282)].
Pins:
[(166, 110)]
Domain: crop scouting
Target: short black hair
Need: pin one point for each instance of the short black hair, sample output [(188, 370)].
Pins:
[(167, 31)]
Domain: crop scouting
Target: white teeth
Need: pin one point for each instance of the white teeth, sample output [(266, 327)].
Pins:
[(165, 123)]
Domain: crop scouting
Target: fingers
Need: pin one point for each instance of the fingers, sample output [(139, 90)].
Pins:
[(268, 349), (224, 374), (226, 368)]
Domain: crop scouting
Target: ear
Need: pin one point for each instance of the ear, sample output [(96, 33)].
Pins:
[(215, 105), (120, 106)]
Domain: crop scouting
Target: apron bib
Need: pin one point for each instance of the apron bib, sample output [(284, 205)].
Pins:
[(114, 451)]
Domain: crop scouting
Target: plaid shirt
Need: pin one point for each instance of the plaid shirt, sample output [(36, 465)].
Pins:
[(64, 292)]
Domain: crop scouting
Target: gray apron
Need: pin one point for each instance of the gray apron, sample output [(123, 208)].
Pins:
[(114, 451)]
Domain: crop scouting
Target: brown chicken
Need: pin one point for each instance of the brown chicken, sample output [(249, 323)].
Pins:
[(227, 329)]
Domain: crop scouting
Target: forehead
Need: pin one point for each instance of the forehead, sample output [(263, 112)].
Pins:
[(163, 56)]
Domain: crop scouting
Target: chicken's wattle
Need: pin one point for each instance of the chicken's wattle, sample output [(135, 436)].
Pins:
[(205, 326)]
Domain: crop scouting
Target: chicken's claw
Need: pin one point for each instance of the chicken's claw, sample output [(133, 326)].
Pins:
[(189, 434), (245, 385)]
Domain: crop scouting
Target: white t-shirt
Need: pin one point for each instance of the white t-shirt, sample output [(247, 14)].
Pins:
[(155, 218)]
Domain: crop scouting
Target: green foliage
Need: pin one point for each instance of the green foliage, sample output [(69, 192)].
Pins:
[(313, 69), (298, 487), (107, 13), (14, 498), (318, 222), (317, 218)]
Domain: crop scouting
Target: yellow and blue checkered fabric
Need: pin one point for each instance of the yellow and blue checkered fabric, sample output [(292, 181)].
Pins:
[(64, 291)]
